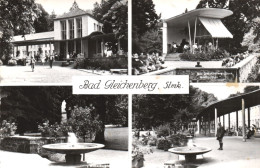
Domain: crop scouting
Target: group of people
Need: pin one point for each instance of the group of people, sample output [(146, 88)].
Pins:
[(33, 61), (233, 60), (185, 46), (145, 63)]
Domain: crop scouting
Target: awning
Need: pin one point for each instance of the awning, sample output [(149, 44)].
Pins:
[(215, 27)]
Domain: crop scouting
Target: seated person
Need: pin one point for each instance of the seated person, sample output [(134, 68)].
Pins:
[(198, 64)]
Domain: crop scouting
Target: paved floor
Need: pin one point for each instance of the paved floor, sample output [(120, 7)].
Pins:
[(41, 74), (236, 154), (116, 159)]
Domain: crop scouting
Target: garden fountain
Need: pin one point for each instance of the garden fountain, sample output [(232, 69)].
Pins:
[(190, 151), (73, 149)]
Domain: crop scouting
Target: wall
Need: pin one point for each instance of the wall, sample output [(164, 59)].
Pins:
[(57, 30), (176, 35), (246, 66), (27, 144), (91, 22)]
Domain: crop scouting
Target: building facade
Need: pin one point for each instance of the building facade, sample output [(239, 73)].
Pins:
[(72, 35)]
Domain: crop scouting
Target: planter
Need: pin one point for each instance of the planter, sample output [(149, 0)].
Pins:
[(137, 163)]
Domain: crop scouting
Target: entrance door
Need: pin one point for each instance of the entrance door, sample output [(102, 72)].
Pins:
[(62, 50)]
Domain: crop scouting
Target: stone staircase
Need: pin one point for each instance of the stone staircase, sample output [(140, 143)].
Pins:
[(173, 57)]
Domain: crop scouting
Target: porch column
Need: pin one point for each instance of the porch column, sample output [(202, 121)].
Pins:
[(243, 121), (189, 36), (67, 50), (216, 121), (102, 47), (199, 127), (165, 40), (96, 46), (248, 117), (209, 123), (50, 49), (223, 121), (237, 120), (27, 50), (81, 46), (228, 121)]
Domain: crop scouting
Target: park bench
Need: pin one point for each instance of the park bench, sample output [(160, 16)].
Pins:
[(120, 71)]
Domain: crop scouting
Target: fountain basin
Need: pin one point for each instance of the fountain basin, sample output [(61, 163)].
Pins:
[(190, 153), (73, 151)]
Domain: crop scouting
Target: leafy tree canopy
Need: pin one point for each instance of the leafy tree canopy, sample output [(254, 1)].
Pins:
[(29, 106), (244, 13), (154, 110)]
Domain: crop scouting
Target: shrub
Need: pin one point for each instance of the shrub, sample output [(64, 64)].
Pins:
[(212, 55), (84, 121), (178, 140), (54, 130), (7, 128), (101, 63), (253, 76), (12, 62), (1, 62), (163, 130), (21, 61), (163, 143)]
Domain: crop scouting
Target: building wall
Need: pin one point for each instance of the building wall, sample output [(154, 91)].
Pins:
[(57, 30), (33, 49), (84, 26), (92, 25), (176, 35)]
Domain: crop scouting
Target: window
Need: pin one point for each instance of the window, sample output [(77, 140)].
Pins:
[(63, 30), (71, 29), (79, 27)]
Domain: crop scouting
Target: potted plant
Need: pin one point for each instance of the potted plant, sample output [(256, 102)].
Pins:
[(138, 153), (7, 128)]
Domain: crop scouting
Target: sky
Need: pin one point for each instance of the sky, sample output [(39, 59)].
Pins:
[(221, 90), (170, 8), (62, 6)]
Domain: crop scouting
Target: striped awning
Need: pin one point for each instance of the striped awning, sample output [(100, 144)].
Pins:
[(215, 27)]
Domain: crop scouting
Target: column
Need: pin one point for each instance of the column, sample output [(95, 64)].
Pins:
[(216, 121), (248, 117), (189, 36), (209, 123), (199, 127), (223, 121), (228, 121), (165, 40), (237, 120), (27, 50), (243, 121), (50, 49), (102, 47)]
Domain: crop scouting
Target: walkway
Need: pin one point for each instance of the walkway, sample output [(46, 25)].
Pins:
[(236, 154), (116, 159), (42, 74)]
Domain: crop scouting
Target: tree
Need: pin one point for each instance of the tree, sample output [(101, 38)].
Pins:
[(244, 13), (145, 21), (144, 16), (150, 42), (155, 110), (17, 17), (28, 109), (113, 14), (29, 106), (250, 39), (44, 22)]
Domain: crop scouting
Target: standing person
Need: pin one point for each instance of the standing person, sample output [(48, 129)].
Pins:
[(220, 135), (51, 59), (32, 63)]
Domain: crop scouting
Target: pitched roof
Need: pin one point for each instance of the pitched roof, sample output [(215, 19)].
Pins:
[(74, 11)]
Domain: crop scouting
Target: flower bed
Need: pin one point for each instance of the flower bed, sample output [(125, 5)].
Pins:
[(209, 56), (102, 63)]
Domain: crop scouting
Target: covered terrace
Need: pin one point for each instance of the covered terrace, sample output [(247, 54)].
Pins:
[(244, 108), (198, 27)]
